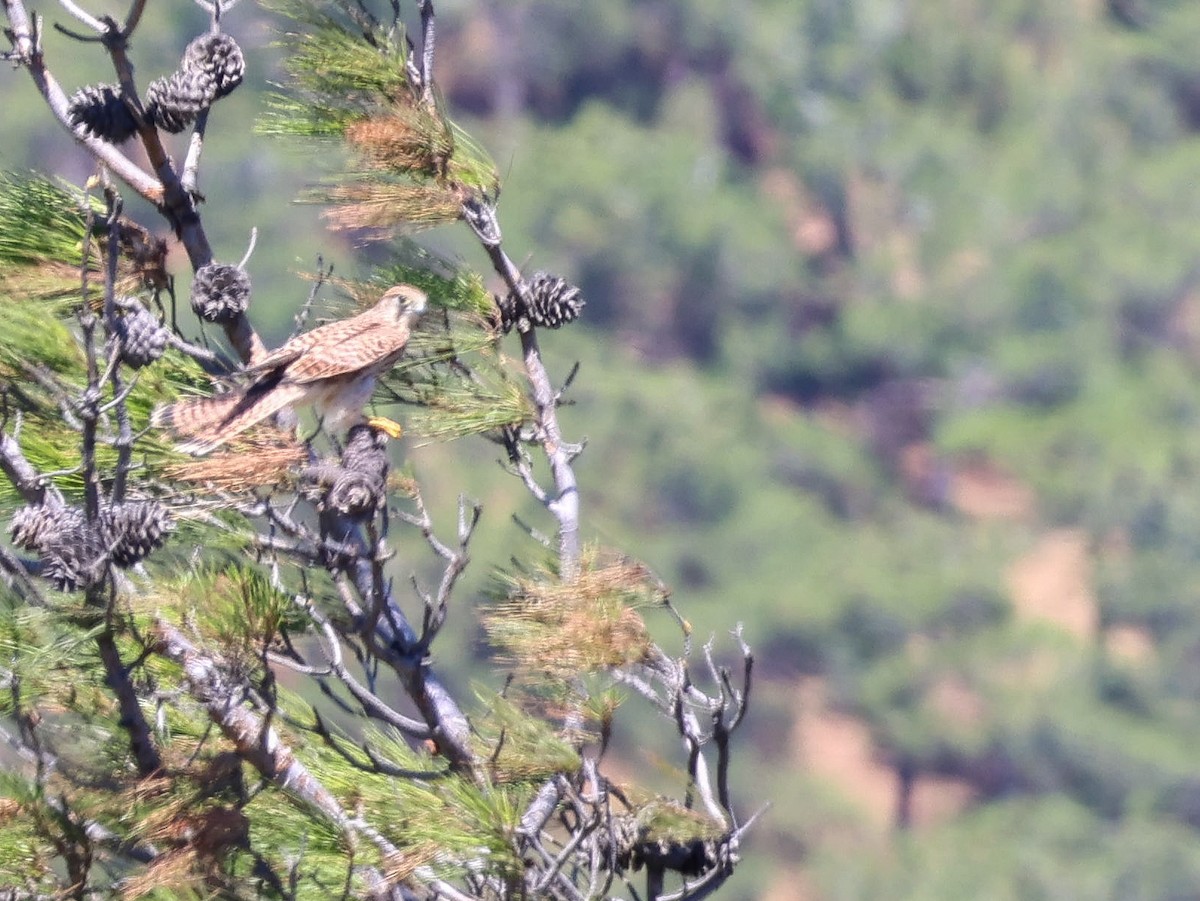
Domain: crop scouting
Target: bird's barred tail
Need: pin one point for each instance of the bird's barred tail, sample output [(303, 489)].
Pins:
[(196, 421), (206, 423)]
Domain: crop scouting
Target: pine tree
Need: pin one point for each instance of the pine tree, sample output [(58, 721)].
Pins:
[(151, 600)]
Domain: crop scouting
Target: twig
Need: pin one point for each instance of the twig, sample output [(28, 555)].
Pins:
[(124, 442), (83, 16), (249, 247), (191, 163), (428, 43), (388, 635), (24, 477), (136, 8), (302, 314), (18, 577), (332, 651)]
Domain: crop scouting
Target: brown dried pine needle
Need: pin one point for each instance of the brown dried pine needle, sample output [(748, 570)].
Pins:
[(558, 628), (172, 872), (266, 458), (376, 205), (403, 864), (411, 141)]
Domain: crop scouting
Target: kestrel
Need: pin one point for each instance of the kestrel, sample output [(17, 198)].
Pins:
[(331, 368)]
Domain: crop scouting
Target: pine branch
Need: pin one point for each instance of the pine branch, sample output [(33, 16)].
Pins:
[(564, 503), (24, 35), (387, 632)]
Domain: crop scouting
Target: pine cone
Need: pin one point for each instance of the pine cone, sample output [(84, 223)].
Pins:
[(174, 102), (355, 494), (358, 490), (220, 58), (366, 452), (73, 557), (133, 529), (102, 113), (553, 302), (33, 527), (141, 336), (508, 307), (220, 292)]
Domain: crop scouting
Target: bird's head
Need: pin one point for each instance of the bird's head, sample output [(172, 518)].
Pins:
[(400, 299)]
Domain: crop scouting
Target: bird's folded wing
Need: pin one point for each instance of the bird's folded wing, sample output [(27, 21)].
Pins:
[(351, 350)]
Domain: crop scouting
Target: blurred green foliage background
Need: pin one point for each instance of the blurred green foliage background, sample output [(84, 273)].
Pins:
[(890, 352)]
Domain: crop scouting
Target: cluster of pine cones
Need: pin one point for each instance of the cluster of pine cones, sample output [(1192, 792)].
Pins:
[(211, 68), (74, 552)]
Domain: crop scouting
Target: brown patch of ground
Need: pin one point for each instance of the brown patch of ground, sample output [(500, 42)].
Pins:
[(1052, 582), (1129, 643), (939, 799), (956, 701), (838, 748), (814, 230), (975, 486), (981, 489)]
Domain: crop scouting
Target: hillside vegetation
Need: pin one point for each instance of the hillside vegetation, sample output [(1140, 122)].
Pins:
[(891, 346)]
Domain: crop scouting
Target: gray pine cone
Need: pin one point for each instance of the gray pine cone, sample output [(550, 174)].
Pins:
[(509, 306), (142, 338), (220, 58), (220, 292), (553, 302), (358, 490), (33, 527), (134, 529), (366, 452), (102, 113), (174, 102), (73, 556), (355, 494)]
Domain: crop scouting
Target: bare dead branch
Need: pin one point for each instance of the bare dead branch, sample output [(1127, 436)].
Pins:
[(255, 741), (372, 705), (190, 180), (24, 477), (428, 42), (480, 215)]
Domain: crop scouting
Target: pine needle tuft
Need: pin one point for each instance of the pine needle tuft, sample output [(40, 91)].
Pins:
[(550, 629), (380, 204), (265, 458)]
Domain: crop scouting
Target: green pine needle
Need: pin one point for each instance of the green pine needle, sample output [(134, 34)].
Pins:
[(349, 79), (40, 220), (336, 76), (457, 407), (449, 288), (528, 748)]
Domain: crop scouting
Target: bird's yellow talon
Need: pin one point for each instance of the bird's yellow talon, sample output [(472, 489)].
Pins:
[(390, 426)]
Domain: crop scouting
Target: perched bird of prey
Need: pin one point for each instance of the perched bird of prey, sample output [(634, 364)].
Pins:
[(331, 368)]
